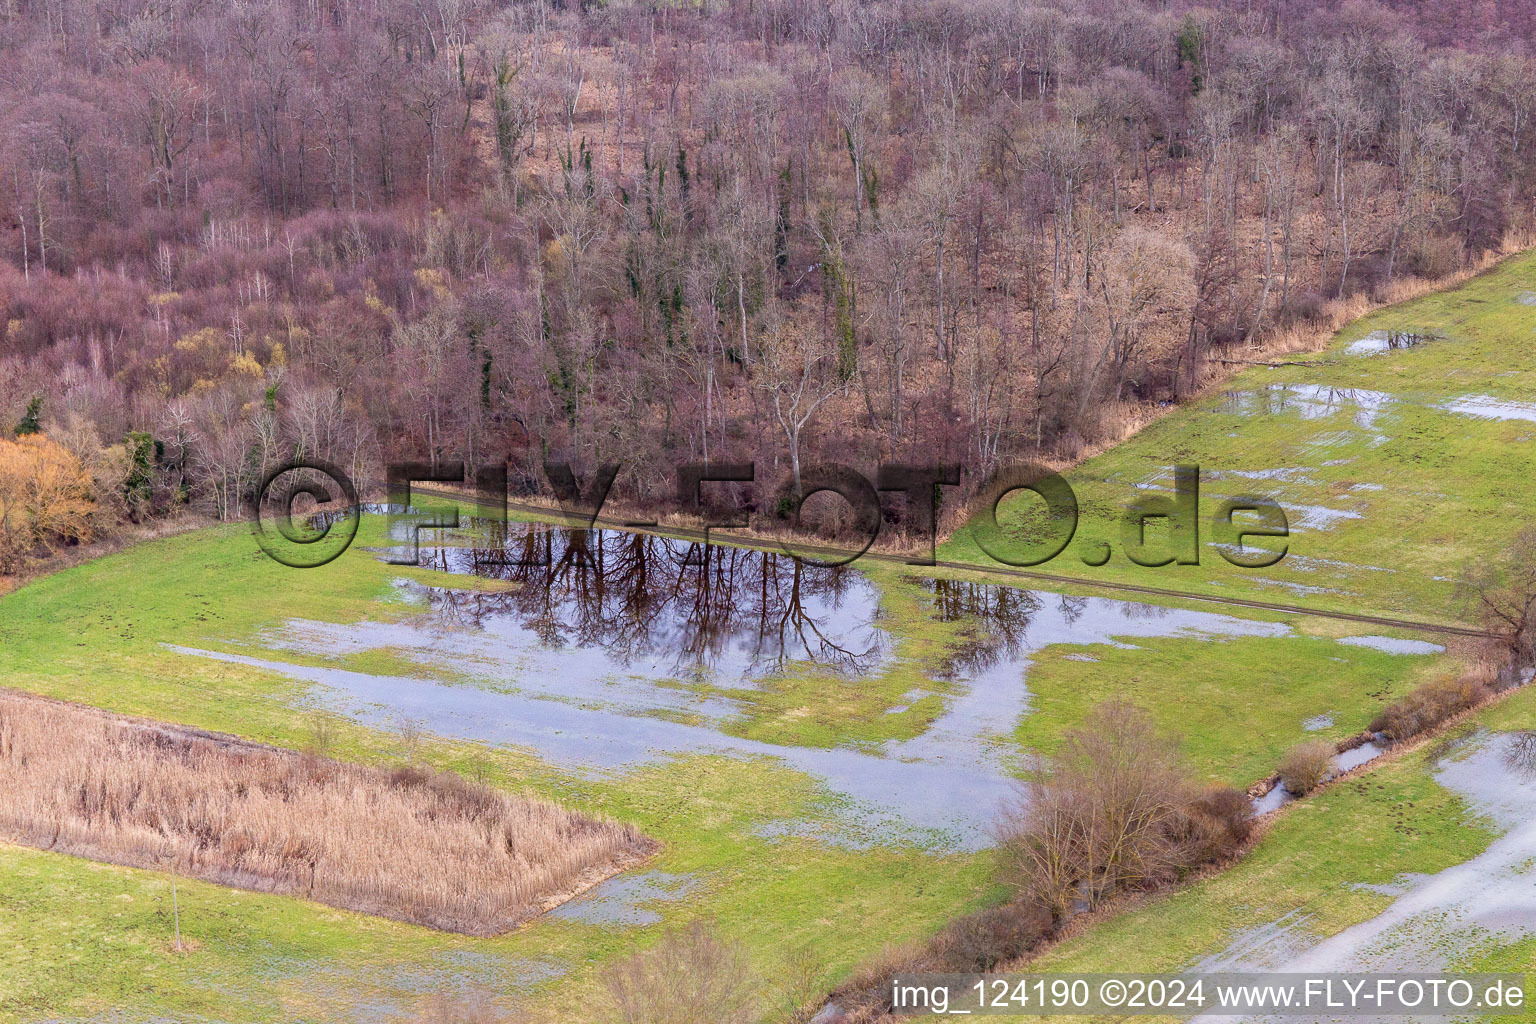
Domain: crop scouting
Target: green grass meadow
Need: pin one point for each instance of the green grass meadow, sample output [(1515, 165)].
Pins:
[(1408, 493)]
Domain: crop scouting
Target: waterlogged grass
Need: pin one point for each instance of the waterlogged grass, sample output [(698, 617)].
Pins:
[(1388, 492), (1311, 869), (1235, 703), (96, 633), (87, 937), (1238, 702)]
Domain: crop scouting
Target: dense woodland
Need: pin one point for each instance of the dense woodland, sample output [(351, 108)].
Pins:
[(781, 231)]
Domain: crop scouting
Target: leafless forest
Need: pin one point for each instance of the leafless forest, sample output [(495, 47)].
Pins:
[(770, 230)]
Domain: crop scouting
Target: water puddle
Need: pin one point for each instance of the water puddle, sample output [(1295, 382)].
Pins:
[(1275, 799), (621, 901), (596, 604), (1316, 517), (1299, 589), (1365, 409), (1392, 644), (1354, 757), (1489, 899), (1487, 407), (1311, 402), (974, 728), (903, 798), (1378, 342)]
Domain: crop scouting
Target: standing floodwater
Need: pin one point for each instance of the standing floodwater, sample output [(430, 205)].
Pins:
[(601, 651), (662, 606)]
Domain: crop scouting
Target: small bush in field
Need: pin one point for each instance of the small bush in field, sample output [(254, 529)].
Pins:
[(692, 975), (1219, 822), (322, 733), (1305, 766), (987, 938), (1431, 704), (1106, 817)]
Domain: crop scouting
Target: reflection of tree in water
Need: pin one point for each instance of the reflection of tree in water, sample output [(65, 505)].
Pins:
[(641, 597), (1136, 610), (998, 617), (1520, 752)]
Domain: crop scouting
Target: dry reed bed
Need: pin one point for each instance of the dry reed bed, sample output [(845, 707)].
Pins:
[(435, 850)]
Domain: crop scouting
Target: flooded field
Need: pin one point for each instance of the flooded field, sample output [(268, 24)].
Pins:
[(1355, 444), (1436, 920), (611, 650), (822, 754)]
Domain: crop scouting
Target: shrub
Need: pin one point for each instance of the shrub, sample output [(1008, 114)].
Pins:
[(691, 975), (1431, 704), (1114, 811), (1220, 820), (866, 995), (987, 938), (801, 989), (1305, 766), (322, 733), (1107, 816), (46, 498)]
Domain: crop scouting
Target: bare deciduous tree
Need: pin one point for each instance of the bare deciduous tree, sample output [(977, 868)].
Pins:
[(1105, 816), (1502, 593)]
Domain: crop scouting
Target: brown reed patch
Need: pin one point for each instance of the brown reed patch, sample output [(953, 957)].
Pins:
[(429, 848)]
